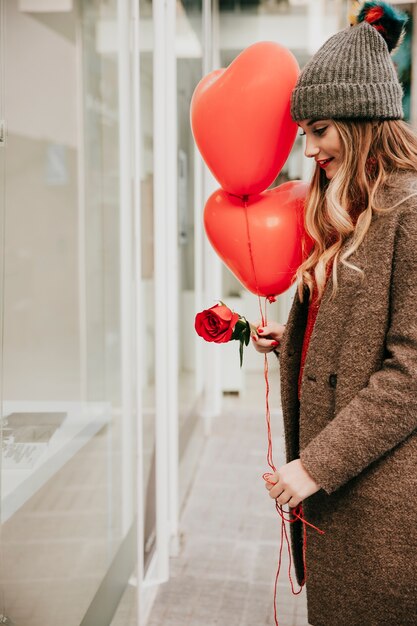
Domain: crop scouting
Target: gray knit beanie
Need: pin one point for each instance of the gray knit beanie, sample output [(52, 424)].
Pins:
[(352, 75)]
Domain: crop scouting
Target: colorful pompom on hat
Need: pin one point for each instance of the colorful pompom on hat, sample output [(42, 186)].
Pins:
[(352, 75)]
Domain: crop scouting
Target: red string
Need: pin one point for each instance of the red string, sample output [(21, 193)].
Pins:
[(269, 456), (295, 514), (264, 323), (292, 516)]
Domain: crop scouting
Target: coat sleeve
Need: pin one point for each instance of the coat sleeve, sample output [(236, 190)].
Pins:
[(383, 414)]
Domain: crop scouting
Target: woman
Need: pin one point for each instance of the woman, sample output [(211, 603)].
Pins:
[(348, 354)]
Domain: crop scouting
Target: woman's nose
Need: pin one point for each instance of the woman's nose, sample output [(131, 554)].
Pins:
[(311, 149)]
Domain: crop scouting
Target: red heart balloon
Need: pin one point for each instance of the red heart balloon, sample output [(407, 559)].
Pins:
[(264, 242), (240, 117)]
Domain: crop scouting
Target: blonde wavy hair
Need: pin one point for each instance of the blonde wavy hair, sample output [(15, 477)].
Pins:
[(371, 151)]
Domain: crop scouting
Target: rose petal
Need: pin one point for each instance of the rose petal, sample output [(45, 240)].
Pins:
[(222, 311)]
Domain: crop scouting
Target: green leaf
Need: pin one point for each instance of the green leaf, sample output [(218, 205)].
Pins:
[(247, 333), (238, 329), (236, 333)]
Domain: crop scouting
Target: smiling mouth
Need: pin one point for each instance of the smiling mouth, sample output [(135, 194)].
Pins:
[(325, 162)]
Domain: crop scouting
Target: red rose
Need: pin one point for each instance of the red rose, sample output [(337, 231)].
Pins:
[(216, 324)]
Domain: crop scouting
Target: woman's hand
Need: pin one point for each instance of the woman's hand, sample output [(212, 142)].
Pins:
[(291, 484), (269, 337)]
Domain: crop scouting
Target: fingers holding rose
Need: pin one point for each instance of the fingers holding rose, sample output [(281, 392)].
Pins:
[(268, 337), (264, 345)]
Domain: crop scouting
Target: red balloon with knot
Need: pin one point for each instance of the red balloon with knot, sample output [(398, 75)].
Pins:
[(241, 122)]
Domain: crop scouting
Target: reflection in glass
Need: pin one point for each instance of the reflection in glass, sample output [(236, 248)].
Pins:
[(189, 47), (61, 409), (148, 283)]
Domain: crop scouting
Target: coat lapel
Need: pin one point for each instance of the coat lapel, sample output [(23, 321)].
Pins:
[(323, 348), (289, 367)]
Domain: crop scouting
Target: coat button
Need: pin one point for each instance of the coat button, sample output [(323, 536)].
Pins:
[(333, 380)]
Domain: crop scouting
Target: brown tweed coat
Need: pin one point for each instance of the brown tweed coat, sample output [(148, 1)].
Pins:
[(356, 428)]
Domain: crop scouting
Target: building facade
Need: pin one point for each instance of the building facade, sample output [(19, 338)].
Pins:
[(106, 391)]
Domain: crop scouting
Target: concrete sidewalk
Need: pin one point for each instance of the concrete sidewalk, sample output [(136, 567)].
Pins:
[(225, 571)]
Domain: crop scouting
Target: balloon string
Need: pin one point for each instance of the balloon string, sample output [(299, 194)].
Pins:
[(269, 456), (248, 238), (271, 298), (264, 322), (296, 514)]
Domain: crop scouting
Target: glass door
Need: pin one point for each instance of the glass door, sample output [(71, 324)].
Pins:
[(2, 198), (67, 476), (189, 52), (148, 236)]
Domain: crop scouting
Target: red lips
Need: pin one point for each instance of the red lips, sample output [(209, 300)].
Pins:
[(325, 162)]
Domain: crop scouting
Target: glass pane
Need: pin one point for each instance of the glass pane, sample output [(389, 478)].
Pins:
[(102, 210), (189, 48), (64, 444), (148, 278), (2, 199)]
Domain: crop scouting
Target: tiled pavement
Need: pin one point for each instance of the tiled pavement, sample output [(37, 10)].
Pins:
[(225, 572)]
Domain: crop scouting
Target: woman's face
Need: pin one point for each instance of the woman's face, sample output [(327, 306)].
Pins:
[(323, 144)]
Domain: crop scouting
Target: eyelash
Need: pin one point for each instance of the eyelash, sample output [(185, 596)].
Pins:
[(316, 131)]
